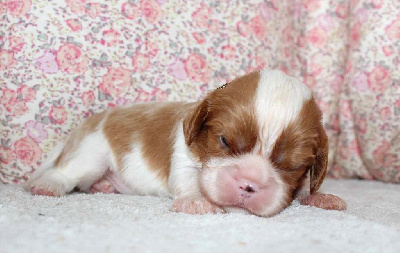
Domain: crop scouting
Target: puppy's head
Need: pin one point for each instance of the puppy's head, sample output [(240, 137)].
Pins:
[(257, 138)]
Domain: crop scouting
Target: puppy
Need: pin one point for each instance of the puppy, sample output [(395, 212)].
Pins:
[(247, 146)]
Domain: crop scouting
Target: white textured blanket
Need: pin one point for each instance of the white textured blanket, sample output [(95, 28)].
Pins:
[(120, 223)]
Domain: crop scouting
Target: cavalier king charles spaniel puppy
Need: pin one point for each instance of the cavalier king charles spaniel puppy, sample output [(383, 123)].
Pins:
[(253, 145)]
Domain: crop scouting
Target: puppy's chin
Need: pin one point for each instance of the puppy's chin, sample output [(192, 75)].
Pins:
[(247, 182)]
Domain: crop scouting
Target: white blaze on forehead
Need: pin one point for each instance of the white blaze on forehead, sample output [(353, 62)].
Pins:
[(278, 101)]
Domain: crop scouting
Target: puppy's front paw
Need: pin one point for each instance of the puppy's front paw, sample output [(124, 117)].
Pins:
[(324, 201), (195, 206)]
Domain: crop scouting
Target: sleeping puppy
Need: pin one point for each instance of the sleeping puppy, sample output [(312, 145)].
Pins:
[(252, 145)]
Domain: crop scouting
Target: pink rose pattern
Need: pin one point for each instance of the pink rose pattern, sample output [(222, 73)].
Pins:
[(74, 24), (18, 8), (61, 61), (70, 59), (197, 68), (27, 151), (58, 115), (116, 82)]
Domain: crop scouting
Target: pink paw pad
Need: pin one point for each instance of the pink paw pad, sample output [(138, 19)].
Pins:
[(43, 192), (324, 201), (103, 186)]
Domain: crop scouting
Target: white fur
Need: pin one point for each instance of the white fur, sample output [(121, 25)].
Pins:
[(184, 173), (86, 164), (46, 165), (278, 102), (89, 163), (138, 176)]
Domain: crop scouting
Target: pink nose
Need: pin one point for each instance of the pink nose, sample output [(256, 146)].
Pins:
[(247, 188)]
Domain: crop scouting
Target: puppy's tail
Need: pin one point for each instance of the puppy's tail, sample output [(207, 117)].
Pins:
[(45, 166)]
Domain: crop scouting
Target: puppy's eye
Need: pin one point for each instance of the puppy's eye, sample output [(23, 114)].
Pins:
[(224, 142)]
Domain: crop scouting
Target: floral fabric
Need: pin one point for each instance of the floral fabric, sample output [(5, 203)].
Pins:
[(61, 61)]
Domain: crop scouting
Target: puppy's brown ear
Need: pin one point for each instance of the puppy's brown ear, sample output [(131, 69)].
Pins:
[(319, 168), (193, 122)]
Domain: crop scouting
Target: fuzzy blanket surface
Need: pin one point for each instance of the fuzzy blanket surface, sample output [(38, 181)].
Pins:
[(120, 223)]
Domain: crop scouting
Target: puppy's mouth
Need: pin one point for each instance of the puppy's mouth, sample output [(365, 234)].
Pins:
[(247, 195)]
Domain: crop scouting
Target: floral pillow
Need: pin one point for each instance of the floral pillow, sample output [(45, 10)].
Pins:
[(62, 61)]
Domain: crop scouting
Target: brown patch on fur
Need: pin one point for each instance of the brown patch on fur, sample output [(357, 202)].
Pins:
[(88, 126), (302, 146), (320, 167), (193, 122), (227, 112), (151, 125)]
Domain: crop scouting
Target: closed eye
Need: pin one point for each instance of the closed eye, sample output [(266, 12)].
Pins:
[(224, 142)]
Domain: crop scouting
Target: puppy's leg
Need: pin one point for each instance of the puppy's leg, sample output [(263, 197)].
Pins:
[(183, 182), (324, 201), (320, 200), (199, 205), (185, 186), (81, 162)]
